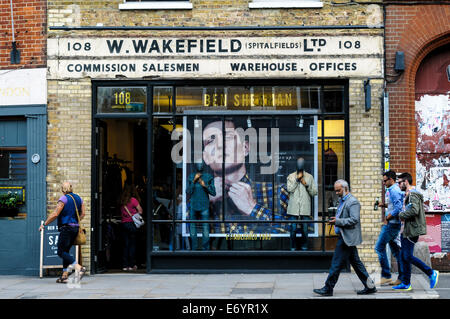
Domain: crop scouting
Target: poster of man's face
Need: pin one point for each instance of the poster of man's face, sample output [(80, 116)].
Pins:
[(235, 160), (235, 149)]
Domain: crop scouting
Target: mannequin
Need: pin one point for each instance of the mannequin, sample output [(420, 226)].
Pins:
[(302, 188), (200, 186)]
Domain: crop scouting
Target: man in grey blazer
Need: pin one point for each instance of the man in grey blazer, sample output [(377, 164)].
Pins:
[(348, 227)]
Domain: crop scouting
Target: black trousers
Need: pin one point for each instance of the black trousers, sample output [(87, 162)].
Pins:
[(342, 254), (67, 235)]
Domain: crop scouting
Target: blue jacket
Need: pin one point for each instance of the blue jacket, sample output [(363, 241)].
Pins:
[(394, 199), (200, 195)]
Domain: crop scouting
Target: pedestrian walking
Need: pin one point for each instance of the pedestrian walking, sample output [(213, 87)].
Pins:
[(415, 226), (391, 229), (348, 227), (66, 212)]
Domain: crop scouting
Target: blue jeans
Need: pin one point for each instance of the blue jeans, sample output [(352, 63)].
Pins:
[(204, 215), (129, 244), (303, 230), (342, 255), (388, 235), (67, 235), (408, 258)]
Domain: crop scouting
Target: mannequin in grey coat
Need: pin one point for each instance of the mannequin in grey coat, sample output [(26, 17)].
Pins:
[(348, 228)]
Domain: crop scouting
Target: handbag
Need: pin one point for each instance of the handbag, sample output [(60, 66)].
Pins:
[(137, 218), (81, 236)]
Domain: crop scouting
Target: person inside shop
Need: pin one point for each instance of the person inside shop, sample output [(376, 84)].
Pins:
[(301, 188), (200, 186), (244, 199), (129, 206), (67, 212)]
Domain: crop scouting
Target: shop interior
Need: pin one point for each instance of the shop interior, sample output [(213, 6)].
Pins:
[(123, 160)]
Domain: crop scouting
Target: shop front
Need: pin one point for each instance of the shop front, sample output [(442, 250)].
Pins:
[(22, 168), (245, 109)]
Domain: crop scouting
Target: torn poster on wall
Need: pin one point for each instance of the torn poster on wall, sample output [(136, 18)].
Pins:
[(433, 150)]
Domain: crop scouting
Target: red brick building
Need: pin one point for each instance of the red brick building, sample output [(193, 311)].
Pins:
[(30, 21), (419, 104)]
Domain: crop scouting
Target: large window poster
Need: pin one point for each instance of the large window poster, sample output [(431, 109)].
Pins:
[(245, 161)]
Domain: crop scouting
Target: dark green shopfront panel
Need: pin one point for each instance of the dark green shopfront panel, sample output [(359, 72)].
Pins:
[(20, 238)]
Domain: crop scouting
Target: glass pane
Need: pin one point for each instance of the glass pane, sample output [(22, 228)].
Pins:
[(163, 186), (333, 98), (18, 162), (162, 99), (309, 97), (333, 128), (202, 189), (247, 98), (4, 164), (296, 201), (121, 99)]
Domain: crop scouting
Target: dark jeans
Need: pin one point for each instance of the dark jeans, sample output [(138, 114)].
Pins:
[(129, 244), (303, 231), (388, 235), (407, 254), (342, 254), (67, 235), (204, 215)]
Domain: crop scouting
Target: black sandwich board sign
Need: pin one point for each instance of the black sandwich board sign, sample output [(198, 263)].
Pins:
[(49, 248)]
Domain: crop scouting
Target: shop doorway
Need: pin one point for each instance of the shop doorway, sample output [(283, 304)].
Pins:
[(121, 155)]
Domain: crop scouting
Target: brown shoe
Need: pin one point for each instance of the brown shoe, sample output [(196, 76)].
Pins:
[(385, 281), (395, 283)]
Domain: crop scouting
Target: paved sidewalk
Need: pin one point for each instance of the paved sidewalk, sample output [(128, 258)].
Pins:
[(208, 286)]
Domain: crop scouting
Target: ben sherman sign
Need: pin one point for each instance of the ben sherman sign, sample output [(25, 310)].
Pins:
[(309, 57)]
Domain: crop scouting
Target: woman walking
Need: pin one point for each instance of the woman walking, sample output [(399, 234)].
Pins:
[(67, 212)]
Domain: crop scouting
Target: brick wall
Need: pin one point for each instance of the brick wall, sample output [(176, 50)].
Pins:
[(30, 24), (365, 164), (365, 139), (69, 145), (416, 30)]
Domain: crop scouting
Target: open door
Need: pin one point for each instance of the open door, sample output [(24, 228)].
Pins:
[(120, 161)]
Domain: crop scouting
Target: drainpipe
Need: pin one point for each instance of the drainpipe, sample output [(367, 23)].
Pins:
[(15, 54)]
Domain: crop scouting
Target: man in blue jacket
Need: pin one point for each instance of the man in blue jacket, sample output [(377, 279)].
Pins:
[(391, 228)]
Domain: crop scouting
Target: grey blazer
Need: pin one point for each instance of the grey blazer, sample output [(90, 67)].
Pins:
[(349, 222)]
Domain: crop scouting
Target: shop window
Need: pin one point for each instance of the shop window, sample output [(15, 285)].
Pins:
[(243, 146), (247, 160), (332, 160), (155, 4), (4, 165), (256, 4), (121, 100), (13, 165)]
